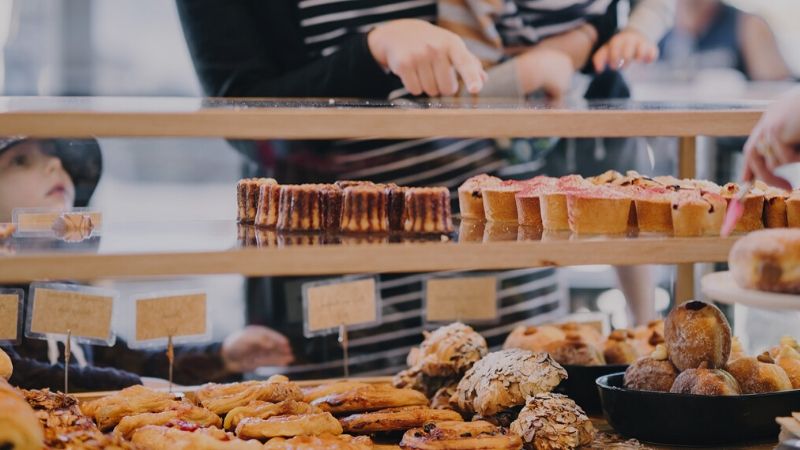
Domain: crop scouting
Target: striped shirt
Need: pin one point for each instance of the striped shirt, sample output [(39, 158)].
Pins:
[(524, 296), (526, 22)]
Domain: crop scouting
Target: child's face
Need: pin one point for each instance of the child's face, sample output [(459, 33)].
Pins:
[(32, 178)]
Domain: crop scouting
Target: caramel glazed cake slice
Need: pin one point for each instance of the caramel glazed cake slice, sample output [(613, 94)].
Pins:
[(309, 207)]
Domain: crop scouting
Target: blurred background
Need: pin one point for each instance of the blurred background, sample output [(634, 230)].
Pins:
[(136, 48)]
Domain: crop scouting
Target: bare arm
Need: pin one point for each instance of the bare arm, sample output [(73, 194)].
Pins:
[(577, 44), (762, 58)]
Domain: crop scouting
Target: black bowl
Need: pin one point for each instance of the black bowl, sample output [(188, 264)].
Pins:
[(581, 386), (684, 419)]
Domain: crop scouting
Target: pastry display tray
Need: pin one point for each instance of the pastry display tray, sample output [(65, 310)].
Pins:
[(720, 286), (151, 249)]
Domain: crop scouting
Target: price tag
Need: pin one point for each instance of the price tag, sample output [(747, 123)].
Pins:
[(171, 315), (466, 299), (83, 311), (10, 314), (328, 305), (37, 220)]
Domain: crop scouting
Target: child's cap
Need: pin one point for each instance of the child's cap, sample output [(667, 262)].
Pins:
[(81, 159)]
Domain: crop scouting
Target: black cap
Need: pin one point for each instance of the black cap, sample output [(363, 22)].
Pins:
[(81, 159)]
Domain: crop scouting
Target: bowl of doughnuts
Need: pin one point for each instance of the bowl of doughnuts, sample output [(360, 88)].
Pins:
[(586, 353), (700, 388)]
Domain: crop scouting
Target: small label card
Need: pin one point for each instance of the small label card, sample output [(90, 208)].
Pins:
[(38, 220), (83, 311), (10, 313), (328, 305), (171, 315), (467, 299)]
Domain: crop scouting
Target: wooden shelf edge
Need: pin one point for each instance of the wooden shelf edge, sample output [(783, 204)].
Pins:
[(350, 259)]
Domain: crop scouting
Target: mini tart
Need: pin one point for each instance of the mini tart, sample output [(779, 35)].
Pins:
[(478, 435), (775, 215), (597, 211), (753, 215), (696, 213), (427, 210), (767, 260), (553, 202), (653, 209), (396, 419), (499, 203), (470, 195), (529, 211)]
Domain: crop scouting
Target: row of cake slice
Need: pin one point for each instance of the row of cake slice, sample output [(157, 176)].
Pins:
[(613, 203), (345, 206)]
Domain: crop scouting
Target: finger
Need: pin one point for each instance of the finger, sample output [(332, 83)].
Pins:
[(468, 67), (628, 52), (427, 78), (759, 166), (445, 76), (644, 52), (614, 53), (411, 81), (600, 59)]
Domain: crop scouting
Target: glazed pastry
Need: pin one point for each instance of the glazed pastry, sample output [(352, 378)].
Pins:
[(697, 332), (789, 359), (369, 398), (752, 216), (697, 213), (221, 398), (767, 260), (365, 209), (247, 195), (534, 338), (553, 422), (499, 203), (19, 426), (395, 419), (323, 441), (470, 196), (288, 426), (6, 368), (575, 351), (108, 411), (427, 210), (504, 379), (184, 414), (267, 209), (620, 348), (598, 210), (478, 435), (265, 410), (449, 351), (189, 438), (704, 381), (651, 373), (758, 375), (337, 387), (653, 208)]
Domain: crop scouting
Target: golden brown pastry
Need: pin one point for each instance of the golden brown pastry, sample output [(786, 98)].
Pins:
[(704, 381), (620, 348), (575, 351), (758, 375), (752, 216), (653, 207), (553, 422), (267, 209), (534, 338), (6, 368), (697, 213), (449, 351), (470, 196), (108, 411), (737, 350), (265, 410), (505, 379), (154, 437), (369, 398), (441, 398), (793, 210), (598, 211), (587, 332), (288, 426), (336, 387), (395, 419), (221, 398), (6, 230), (647, 337), (247, 196), (767, 260), (651, 373), (321, 442), (697, 332), (499, 202), (786, 341), (183, 414), (789, 359), (774, 207), (301, 207), (427, 210), (365, 209), (478, 435), (19, 426)]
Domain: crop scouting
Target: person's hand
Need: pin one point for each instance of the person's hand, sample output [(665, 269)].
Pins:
[(546, 69), (775, 141), (626, 46), (427, 58), (255, 346)]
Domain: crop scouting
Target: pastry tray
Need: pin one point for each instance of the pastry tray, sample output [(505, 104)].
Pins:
[(720, 286)]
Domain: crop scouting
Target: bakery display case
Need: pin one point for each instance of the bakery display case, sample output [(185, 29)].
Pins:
[(489, 386)]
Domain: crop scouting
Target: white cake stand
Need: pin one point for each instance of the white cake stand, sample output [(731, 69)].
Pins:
[(721, 287)]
